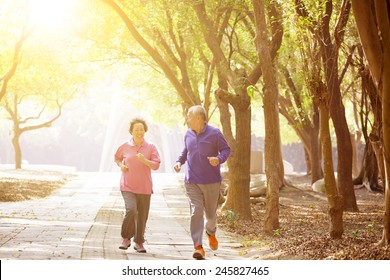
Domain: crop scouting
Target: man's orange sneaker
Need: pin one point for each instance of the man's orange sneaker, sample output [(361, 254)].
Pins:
[(213, 242), (198, 253)]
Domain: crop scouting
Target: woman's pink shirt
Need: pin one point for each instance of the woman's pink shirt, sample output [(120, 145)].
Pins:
[(138, 178)]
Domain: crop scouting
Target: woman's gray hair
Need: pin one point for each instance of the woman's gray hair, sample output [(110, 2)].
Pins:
[(137, 120), (198, 111)]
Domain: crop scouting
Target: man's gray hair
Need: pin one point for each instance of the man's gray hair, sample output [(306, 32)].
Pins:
[(199, 111)]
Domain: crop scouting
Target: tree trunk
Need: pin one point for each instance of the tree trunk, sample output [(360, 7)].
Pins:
[(316, 170), (372, 21), (335, 201), (307, 131), (344, 151), (329, 52), (18, 150), (307, 153), (369, 169), (370, 102), (274, 169), (386, 129), (378, 150), (315, 152), (238, 197), (355, 140)]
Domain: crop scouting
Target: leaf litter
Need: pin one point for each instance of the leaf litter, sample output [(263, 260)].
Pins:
[(304, 227)]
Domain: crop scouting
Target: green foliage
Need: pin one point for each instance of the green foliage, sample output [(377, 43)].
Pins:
[(355, 233), (277, 232), (251, 92), (152, 95), (372, 226), (231, 217), (51, 70), (95, 44)]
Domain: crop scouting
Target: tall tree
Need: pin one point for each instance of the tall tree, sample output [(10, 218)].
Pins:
[(335, 200), (239, 162), (371, 108), (299, 64), (233, 82), (330, 54), (31, 71), (329, 49), (272, 152), (302, 114), (21, 124), (372, 20), (45, 83), (14, 59)]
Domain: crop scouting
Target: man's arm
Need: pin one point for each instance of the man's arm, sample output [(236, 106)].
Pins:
[(223, 148)]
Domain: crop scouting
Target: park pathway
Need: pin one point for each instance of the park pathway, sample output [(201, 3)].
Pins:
[(82, 220)]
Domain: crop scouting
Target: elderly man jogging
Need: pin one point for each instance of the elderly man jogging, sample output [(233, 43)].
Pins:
[(205, 149)]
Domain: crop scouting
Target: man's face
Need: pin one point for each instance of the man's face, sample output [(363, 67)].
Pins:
[(192, 120)]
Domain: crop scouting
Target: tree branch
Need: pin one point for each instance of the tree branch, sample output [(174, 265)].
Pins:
[(342, 21), (45, 124), (226, 96), (22, 121), (169, 73), (213, 42), (16, 60), (347, 63), (364, 13)]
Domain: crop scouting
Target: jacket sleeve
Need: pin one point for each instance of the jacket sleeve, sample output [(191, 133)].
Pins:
[(223, 148), (183, 156)]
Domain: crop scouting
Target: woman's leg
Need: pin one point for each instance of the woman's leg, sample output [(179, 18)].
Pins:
[(128, 224), (143, 206)]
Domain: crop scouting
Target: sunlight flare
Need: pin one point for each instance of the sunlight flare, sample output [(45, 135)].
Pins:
[(50, 14)]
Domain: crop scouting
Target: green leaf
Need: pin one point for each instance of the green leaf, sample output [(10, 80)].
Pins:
[(251, 92)]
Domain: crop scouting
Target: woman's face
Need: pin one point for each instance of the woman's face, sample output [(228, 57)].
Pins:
[(138, 131)]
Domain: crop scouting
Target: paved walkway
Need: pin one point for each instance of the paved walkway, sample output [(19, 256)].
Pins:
[(82, 220)]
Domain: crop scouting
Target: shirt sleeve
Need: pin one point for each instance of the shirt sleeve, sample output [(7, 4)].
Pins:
[(223, 147), (118, 154), (155, 158)]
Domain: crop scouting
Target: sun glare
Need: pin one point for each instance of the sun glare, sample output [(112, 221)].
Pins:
[(50, 14)]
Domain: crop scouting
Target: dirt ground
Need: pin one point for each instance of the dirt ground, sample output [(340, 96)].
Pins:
[(19, 185), (304, 226)]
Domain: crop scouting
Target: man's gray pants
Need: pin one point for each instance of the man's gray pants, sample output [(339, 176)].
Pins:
[(203, 202)]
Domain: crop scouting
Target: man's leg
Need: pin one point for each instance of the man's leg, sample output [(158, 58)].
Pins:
[(211, 195), (196, 208)]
